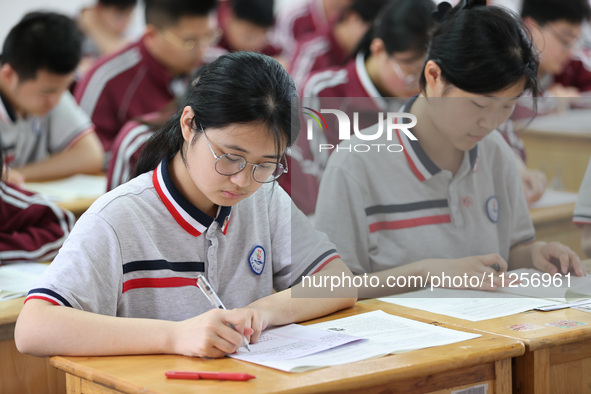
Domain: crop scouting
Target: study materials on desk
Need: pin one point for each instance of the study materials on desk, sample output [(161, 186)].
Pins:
[(383, 333), (472, 305), (572, 121), (536, 284), (552, 198), (71, 188), (292, 341), (17, 279)]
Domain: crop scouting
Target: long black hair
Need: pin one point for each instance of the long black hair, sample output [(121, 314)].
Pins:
[(240, 87), (483, 49)]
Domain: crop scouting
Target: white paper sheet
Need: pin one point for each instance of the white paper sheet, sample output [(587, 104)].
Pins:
[(292, 341), (540, 285), (17, 279), (472, 305), (385, 334), (71, 188), (552, 198)]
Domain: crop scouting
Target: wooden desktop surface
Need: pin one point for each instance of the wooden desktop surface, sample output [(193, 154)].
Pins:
[(482, 360), (557, 359), (559, 148)]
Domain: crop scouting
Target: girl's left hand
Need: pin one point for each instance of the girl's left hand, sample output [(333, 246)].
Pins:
[(554, 257)]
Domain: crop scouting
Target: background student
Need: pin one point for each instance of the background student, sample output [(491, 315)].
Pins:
[(32, 228), (555, 27), (147, 75), (386, 63), (104, 25), (246, 26), (452, 201), (205, 202), (43, 133), (582, 214), (332, 46), (298, 19)]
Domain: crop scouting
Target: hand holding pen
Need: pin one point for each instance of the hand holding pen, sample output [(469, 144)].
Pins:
[(207, 290)]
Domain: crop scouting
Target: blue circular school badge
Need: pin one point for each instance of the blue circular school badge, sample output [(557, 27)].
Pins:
[(257, 259), (492, 208)]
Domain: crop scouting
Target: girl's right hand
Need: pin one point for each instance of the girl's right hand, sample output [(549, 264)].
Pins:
[(210, 335), (473, 270)]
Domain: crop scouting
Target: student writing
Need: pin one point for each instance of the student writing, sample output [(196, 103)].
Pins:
[(204, 202), (452, 201)]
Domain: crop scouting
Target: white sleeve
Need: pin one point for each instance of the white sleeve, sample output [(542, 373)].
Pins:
[(298, 249), (67, 123), (582, 213), (87, 272)]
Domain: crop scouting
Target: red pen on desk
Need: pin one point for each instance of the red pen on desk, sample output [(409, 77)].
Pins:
[(209, 375)]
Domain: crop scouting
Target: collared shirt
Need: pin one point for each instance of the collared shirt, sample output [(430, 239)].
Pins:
[(295, 21), (139, 248), (32, 139), (317, 52), (348, 89), (386, 209), (122, 86), (582, 213)]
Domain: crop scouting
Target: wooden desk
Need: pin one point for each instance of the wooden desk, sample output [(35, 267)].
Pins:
[(78, 206), (21, 373), (556, 224), (482, 360), (557, 360), (560, 143)]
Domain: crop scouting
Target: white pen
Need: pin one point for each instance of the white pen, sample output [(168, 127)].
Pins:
[(205, 287)]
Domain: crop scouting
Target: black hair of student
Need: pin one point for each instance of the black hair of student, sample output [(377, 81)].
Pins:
[(368, 10), (483, 49), (403, 25), (119, 4), (165, 13), (236, 88), (546, 11), (43, 41), (258, 12)]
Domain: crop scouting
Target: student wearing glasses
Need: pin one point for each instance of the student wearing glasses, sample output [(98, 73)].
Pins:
[(147, 75), (204, 202), (452, 201), (555, 27), (386, 63)]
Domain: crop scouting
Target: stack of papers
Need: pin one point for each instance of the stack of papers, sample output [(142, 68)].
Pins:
[(71, 188), (368, 335), (552, 198), (17, 279), (474, 305)]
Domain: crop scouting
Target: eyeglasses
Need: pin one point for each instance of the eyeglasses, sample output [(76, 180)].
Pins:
[(565, 42), (230, 164), (210, 39), (409, 80)]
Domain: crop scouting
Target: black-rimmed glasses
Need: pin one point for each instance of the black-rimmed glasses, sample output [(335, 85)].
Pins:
[(230, 164)]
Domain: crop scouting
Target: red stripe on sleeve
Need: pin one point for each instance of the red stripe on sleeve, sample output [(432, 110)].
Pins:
[(326, 262), (54, 302)]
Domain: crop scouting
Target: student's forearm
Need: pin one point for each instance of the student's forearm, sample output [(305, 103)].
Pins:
[(84, 157), (415, 276), (300, 304), (45, 330), (520, 256)]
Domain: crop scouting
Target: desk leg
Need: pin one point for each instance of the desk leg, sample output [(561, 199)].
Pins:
[(531, 372), (503, 376)]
